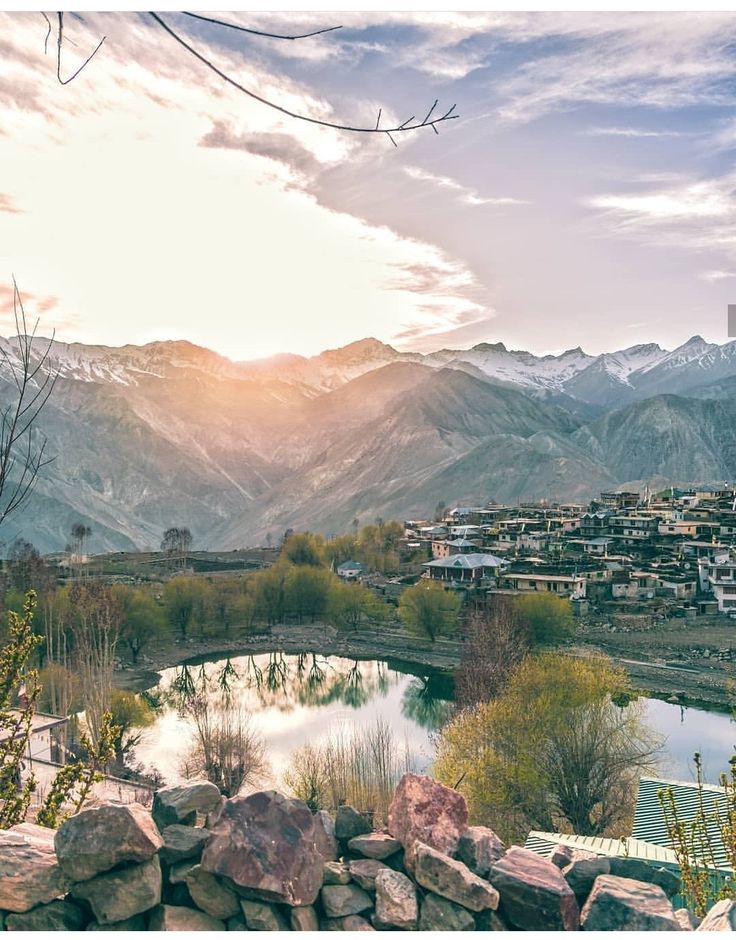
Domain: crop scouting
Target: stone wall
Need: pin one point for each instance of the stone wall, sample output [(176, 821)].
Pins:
[(266, 862)]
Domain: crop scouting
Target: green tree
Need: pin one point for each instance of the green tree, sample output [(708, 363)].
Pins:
[(303, 548), (180, 596), (552, 752), (143, 620), (307, 591), (549, 617), (130, 714), (427, 609), (352, 604), (270, 594)]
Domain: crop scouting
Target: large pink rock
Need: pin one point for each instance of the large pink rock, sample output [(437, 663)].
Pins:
[(265, 843), (534, 894), (29, 871), (423, 810)]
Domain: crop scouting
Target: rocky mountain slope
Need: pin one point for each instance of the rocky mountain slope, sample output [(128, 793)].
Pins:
[(173, 434)]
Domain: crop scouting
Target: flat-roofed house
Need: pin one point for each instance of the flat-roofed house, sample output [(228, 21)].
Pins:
[(464, 567)]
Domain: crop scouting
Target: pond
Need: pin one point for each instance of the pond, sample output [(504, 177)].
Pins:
[(296, 699)]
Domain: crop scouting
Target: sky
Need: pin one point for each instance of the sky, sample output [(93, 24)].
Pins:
[(585, 196)]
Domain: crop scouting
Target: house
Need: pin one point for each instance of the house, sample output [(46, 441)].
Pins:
[(43, 740), (567, 585), (463, 567), (350, 570), (722, 582), (445, 548)]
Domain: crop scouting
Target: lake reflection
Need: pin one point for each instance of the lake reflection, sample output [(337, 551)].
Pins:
[(295, 699)]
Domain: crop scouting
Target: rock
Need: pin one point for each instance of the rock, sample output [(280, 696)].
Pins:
[(534, 895), (180, 804), (324, 836), (211, 895), (237, 923), (177, 894), (133, 923), (178, 873), (634, 868), (423, 810), (335, 873), (624, 904), (350, 823), (489, 920), (352, 922), (440, 914), (265, 843), (29, 871), (341, 900), (452, 880), (168, 917), (58, 915), (396, 900), (182, 842), (363, 872), (581, 873), (722, 916), (118, 895), (562, 856), (667, 880), (685, 919), (98, 839), (304, 918), (374, 845), (479, 847), (262, 916)]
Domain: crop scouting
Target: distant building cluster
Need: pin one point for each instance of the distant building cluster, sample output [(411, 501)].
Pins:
[(623, 550)]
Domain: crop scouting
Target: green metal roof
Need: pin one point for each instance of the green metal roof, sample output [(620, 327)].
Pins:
[(544, 843)]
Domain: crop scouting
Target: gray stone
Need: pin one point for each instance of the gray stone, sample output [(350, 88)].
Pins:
[(58, 915), (363, 871), (490, 920), (335, 873), (304, 918), (133, 923), (440, 914), (341, 900), (265, 844), (350, 823), (452, 879), (668, 881), (169, 917), (324, 836), (562, 856), (98, 839), (211, 895), (634, 868), (423, 810), (237, 923), (182, 842), (178, 873), (479, 847), (581, 873), (29, 871), (624, 904), (722, 916), (181, 803), (374, 845), (353, 922), (262, 916), (534, 895), (686, 920), (118, 895), (396, 900)]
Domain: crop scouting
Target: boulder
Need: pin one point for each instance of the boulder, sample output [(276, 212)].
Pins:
[(363, 872), (335, 873), (634, 868), (722, 916), (211, 895), (581, 873), (341, 900), (668, 881), (352, 922), (265, 844), (178, 873), (98, 839), (534, 894), (58, 915), (562, 855), (182, 842), (304, 918), (489, 920), (237, 923), (423, 810), (396, 901), (118, 895), (180, 804), (133, 923), (324, 836), (374, 845), (440, 914), (686, 919), (350, 823), (453, 880), (169, 917), (624, 904), (262, 916), (479, 847), (29, 871)]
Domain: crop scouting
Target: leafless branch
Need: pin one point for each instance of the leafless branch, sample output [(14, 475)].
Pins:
[(256, 32), (59, 41), (48, 34), (406, 126)]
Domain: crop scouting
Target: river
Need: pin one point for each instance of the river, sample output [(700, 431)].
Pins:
[(294, 699)]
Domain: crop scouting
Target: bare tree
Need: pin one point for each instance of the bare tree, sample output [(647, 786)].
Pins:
[(176, 543), (26, 369)]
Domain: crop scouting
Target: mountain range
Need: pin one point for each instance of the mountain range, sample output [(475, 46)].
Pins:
[(145, 437)]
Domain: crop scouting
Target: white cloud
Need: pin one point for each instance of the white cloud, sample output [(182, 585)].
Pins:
[(465, 195), (717, 275), (629, 132)]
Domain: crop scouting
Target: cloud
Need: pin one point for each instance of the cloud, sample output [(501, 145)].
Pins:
[(465, 195), (7, 204), (34, 304), (629, 132), (717, 275)]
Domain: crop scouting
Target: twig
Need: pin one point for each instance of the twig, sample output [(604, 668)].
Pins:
[(59, 39), (257, 32), (48, 34)]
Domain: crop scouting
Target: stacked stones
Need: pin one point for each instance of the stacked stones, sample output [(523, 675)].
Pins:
[(265, 862)]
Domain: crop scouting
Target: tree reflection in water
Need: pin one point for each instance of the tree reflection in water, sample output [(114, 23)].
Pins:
[(423, 703)]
